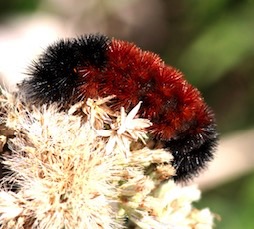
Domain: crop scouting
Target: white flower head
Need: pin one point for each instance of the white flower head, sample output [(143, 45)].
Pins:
[(125, 130), (77, 169)]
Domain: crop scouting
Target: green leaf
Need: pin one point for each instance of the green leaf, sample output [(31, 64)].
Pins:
[(220, 47)]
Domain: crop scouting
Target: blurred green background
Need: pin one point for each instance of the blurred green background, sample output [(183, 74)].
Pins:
[(212, 42)]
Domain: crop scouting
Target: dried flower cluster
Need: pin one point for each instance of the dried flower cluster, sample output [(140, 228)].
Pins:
[(88, 168)]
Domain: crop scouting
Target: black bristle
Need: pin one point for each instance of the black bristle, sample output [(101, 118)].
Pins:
[(192, 152), (92, 49), (54, 75)]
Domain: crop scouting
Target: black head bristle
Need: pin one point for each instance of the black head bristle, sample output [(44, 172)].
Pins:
[(92, 49), (54, 76)]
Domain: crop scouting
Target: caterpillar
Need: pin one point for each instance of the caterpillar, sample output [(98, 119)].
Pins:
[(94, 65)]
